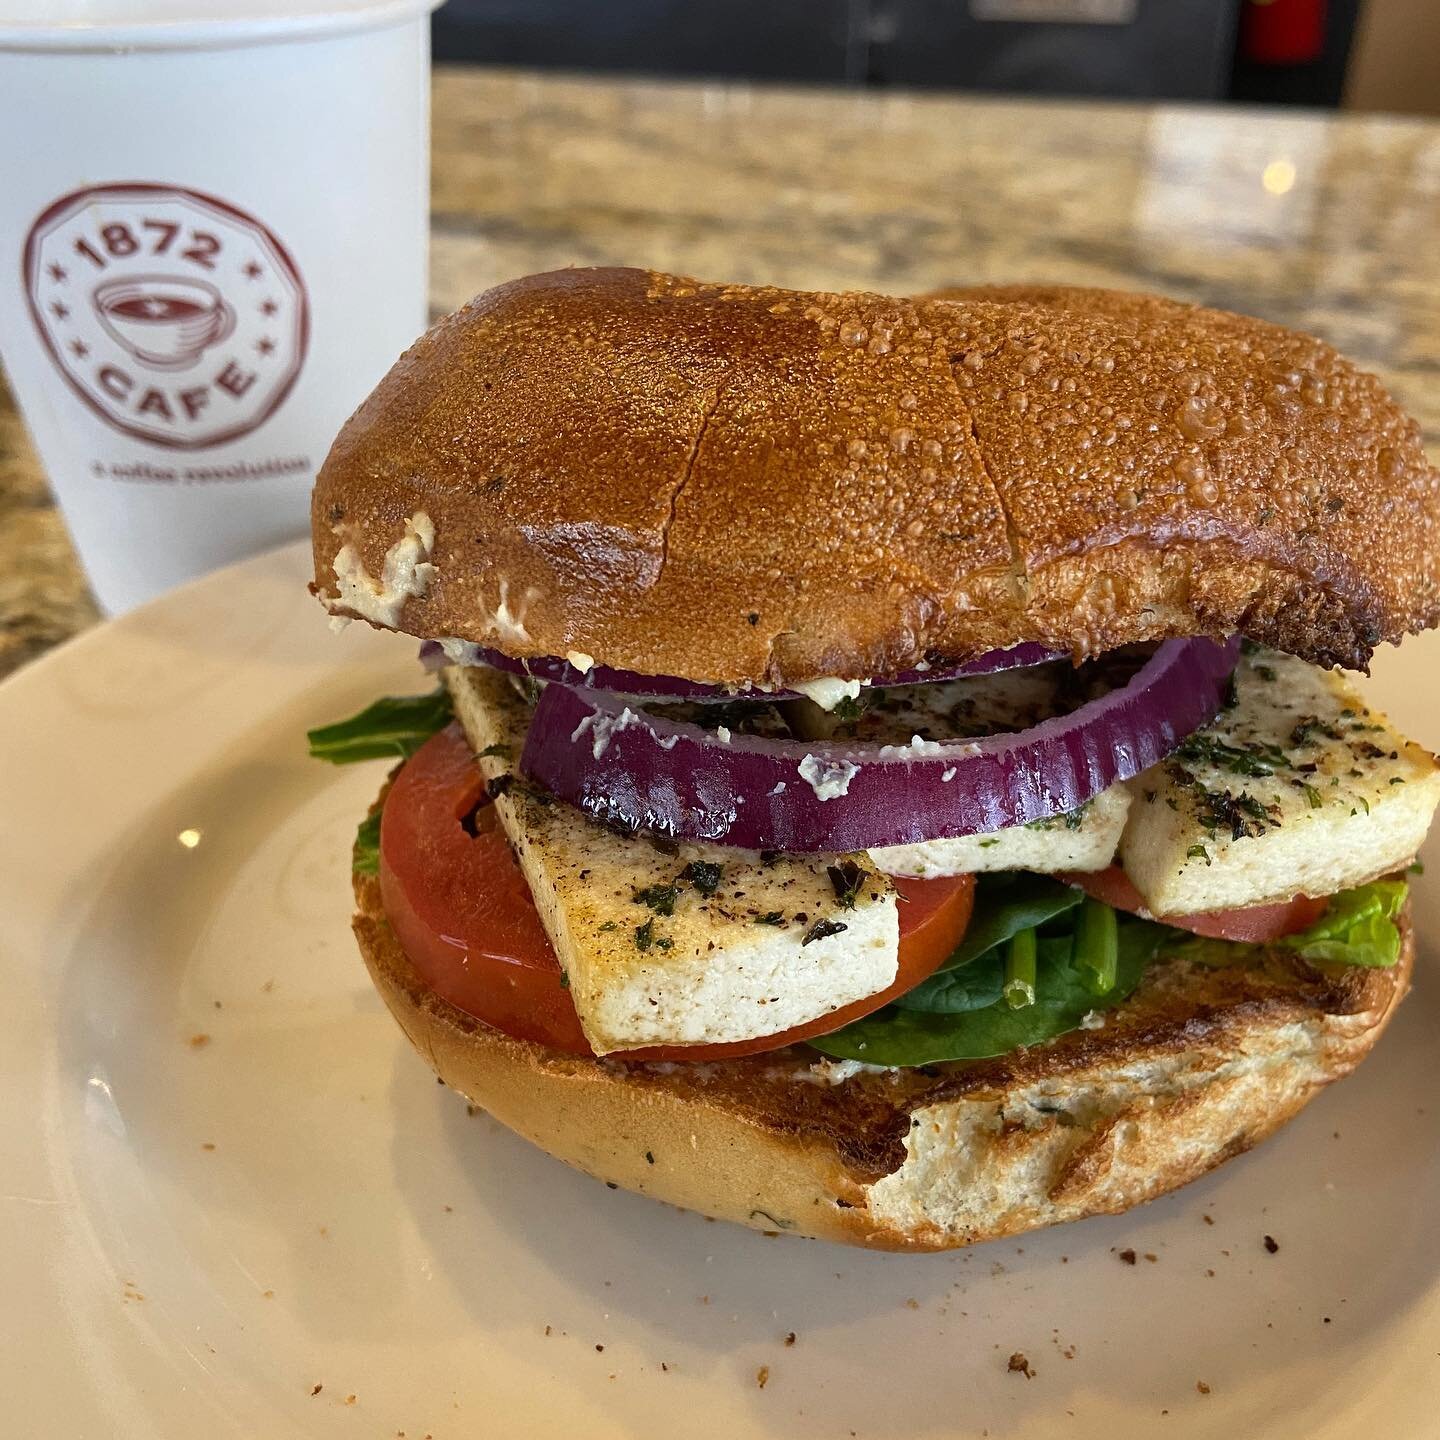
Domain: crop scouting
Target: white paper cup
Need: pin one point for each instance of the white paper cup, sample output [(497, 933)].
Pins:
[(213, 234)]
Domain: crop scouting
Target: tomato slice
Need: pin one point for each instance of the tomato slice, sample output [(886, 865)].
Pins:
[(460, 906), (1254, 925), (462, 911)]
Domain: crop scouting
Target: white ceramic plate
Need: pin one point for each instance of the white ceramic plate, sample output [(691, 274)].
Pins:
[(288, 1229)]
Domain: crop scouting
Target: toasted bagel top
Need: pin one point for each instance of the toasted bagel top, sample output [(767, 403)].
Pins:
[(733, 483)]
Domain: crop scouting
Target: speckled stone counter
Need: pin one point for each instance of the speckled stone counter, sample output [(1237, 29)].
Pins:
[(1326, 223)]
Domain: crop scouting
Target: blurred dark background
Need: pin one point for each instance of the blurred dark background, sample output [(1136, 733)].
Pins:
[(1297, 52)]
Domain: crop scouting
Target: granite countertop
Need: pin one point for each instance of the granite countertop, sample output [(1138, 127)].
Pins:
[(1317, 221)]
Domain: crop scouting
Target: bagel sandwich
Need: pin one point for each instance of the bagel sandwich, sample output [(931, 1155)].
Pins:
[(891, 773)]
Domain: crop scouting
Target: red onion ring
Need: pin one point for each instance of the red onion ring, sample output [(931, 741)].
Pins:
[(640, 771), (671, 687)]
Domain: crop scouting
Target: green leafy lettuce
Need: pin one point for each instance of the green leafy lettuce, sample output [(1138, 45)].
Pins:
[(1358, 929)]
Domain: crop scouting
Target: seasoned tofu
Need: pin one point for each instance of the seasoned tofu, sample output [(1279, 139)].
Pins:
[(1297, 788), (681, 943), (1084, 839)]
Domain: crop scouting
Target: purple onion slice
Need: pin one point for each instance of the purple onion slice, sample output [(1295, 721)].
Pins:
[(434, 655), (639, 771)]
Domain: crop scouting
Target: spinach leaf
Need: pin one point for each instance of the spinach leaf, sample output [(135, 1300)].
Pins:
[(1008, 903), (1063, 998), (967, 987), (365, 854), (1005, 904), (395, 726)]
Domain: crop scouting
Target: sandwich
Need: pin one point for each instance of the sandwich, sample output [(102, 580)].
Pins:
[(891, 775)]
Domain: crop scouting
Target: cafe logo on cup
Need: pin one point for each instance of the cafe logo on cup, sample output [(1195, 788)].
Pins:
[(177, 318)]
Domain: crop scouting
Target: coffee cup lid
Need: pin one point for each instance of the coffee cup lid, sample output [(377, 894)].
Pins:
[(107, 25)]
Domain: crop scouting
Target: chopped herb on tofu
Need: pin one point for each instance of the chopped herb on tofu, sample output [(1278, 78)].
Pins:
[(1298, 789)]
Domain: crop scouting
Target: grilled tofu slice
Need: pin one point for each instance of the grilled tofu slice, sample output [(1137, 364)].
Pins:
[(1084, 839), (685, 943), (1297, 788)]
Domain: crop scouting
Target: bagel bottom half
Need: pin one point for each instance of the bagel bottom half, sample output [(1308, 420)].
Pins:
[(1197, 1066)]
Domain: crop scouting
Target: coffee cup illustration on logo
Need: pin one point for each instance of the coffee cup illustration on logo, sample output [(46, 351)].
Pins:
[(176, 317), (164, 321)]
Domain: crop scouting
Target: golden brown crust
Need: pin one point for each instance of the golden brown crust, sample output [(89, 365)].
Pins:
[(731, 483), (1198, 1066)]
